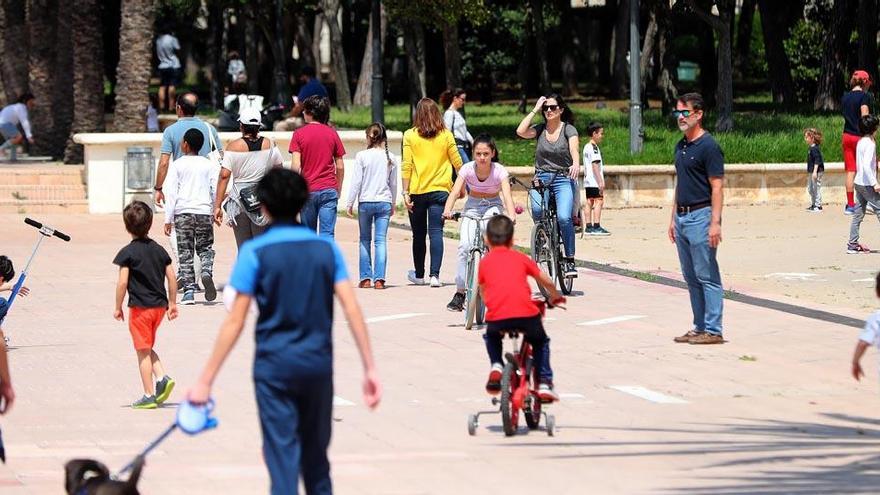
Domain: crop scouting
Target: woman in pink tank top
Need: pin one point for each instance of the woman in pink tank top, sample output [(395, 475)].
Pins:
[(488, 195)]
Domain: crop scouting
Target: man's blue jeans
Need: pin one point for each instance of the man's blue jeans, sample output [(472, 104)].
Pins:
[(320, 210), (563, 192), (372, 213), (699, 267)]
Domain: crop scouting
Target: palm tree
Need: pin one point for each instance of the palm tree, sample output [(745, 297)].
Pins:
[(88, 74), (134, 69), (14, 43), (50, 62)]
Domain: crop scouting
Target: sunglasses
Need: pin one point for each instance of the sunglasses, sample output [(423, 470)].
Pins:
[(682, 113), (550, 108)]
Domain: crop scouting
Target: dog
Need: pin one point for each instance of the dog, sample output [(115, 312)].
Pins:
[(90, 477)]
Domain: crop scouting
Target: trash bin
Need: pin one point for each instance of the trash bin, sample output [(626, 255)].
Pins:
[(139, 174)]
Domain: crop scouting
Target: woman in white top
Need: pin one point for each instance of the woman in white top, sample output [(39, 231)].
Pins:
[(245, 160), (866, 187), (453, 101), (374, 186)]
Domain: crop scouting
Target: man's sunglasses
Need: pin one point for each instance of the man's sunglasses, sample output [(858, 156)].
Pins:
[(682, 113), (550, 108)]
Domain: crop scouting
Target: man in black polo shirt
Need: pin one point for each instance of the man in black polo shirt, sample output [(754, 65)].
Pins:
[(695, 227)]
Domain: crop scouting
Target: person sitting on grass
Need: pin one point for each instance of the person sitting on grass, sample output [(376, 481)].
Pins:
[(142, 265), (504, 282)]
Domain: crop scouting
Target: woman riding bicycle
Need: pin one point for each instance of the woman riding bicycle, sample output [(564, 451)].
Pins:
[(487, 186), (557, 165)]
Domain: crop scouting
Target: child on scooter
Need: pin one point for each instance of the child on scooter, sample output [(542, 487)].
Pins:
[(504, 282)]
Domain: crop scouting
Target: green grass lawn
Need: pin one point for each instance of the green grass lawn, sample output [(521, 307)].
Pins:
[(760, 136)]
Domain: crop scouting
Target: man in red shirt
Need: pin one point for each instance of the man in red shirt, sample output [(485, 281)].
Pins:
[(317, 155), (504, 282)]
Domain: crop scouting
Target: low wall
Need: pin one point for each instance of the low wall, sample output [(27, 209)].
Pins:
[(626, 185)]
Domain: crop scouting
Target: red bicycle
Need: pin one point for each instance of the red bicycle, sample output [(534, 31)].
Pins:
[(519, 388)]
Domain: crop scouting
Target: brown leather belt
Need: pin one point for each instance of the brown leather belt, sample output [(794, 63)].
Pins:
[(684, 210)]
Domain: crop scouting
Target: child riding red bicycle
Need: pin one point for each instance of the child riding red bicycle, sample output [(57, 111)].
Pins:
[(504, 281)]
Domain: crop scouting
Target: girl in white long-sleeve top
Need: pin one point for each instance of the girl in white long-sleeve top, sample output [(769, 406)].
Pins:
[(374, 187)]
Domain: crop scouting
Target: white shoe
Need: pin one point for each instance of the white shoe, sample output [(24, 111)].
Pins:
[(411, 276), (435, 282)]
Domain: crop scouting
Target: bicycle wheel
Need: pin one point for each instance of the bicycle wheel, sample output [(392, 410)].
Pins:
[(533, 406), (472, 291), (509, 414), (565, 283), (543, 253)]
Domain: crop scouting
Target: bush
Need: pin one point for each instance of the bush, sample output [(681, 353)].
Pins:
[(804, 50)]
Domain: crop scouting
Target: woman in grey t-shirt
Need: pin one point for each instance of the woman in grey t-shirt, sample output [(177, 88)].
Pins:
[(557, 163)]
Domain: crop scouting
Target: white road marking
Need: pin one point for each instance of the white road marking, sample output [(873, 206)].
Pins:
[(339, 401), (605, 321), (863, 280), (644, 393), (802, 277), (401, 316), (572, 396)]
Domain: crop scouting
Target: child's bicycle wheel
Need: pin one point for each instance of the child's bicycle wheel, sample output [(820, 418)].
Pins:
[(509, 413), (473, 305), (532, 406)]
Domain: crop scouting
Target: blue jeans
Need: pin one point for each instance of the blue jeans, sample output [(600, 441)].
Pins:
[(321, 208), (426, 218), (463, 154), (699, 267), (563, 193), (376, 213)]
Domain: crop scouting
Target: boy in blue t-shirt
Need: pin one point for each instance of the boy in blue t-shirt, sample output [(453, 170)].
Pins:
[(293, 275)]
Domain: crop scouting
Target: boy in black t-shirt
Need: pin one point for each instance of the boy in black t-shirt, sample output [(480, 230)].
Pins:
[(815, 168), (142, 266)]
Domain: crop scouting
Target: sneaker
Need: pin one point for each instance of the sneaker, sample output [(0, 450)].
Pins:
[(849, 210), (188, 298), (857, 249), (570, 269), (164, 388), (411, 276), (600, 231), (590, 229), (145, 402), (706, 338), (435, 281), (457, 302), (210, 289), (818, 208), (493, 385), (684, 339), (546, 393)]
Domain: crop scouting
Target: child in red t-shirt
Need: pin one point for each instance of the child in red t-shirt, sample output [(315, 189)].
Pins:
[(504, 282)]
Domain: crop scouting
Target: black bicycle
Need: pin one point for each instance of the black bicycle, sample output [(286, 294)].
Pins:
[(548, 250)]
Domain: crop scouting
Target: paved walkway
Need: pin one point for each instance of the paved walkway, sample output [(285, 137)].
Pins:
[(772, 411)]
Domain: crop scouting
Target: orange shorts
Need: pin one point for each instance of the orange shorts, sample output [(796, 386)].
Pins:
[(849, 151), (143, 323)]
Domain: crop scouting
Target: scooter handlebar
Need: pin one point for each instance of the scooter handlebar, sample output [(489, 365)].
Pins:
[(46, 230)]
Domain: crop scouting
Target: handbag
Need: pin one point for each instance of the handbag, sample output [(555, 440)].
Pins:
[(461, 143), (249, 199)]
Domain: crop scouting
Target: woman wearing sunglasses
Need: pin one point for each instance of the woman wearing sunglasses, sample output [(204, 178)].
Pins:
[(557, 163)]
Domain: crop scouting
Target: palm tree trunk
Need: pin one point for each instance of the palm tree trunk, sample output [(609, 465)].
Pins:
[(452, 52), (14, 47), (340, 72), (88, 74), (133, 71), (44, 42)]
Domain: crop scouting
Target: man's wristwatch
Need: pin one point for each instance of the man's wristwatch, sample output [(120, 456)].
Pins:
[(158, 188)]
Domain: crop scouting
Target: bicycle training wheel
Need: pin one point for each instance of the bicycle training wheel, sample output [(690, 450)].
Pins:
[(543, 253), (532, 411), (509, 414), (472, 290)]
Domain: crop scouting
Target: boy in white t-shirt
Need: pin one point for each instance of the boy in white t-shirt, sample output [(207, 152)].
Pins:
[(594, 181), (865, 184), (869, 336), (190, 189)]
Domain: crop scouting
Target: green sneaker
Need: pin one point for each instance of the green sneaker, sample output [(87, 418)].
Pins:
[(145, 402), (164, 388)]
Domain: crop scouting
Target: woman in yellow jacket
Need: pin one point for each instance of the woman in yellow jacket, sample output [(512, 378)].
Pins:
[(429, 155)]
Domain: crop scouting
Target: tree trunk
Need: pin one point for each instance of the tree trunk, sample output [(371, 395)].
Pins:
[(724, 93), (619, 71), (62, 96), (605, 27), (834, 58), (340, 73), (316, 41), (537, 7), (568, 30), (133, 71), (525, 66), (281, 55), (303, 40), (868, 37), (742, 57), (775, 27), (216, 53), (666, 79), (414, 35), (452, 52), (252, 48), (364, 92), (648, 54), (44, 43), (88, 74), (14, 44)]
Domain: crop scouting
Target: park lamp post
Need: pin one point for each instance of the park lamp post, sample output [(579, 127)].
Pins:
[(635, 81), (377, 91)]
